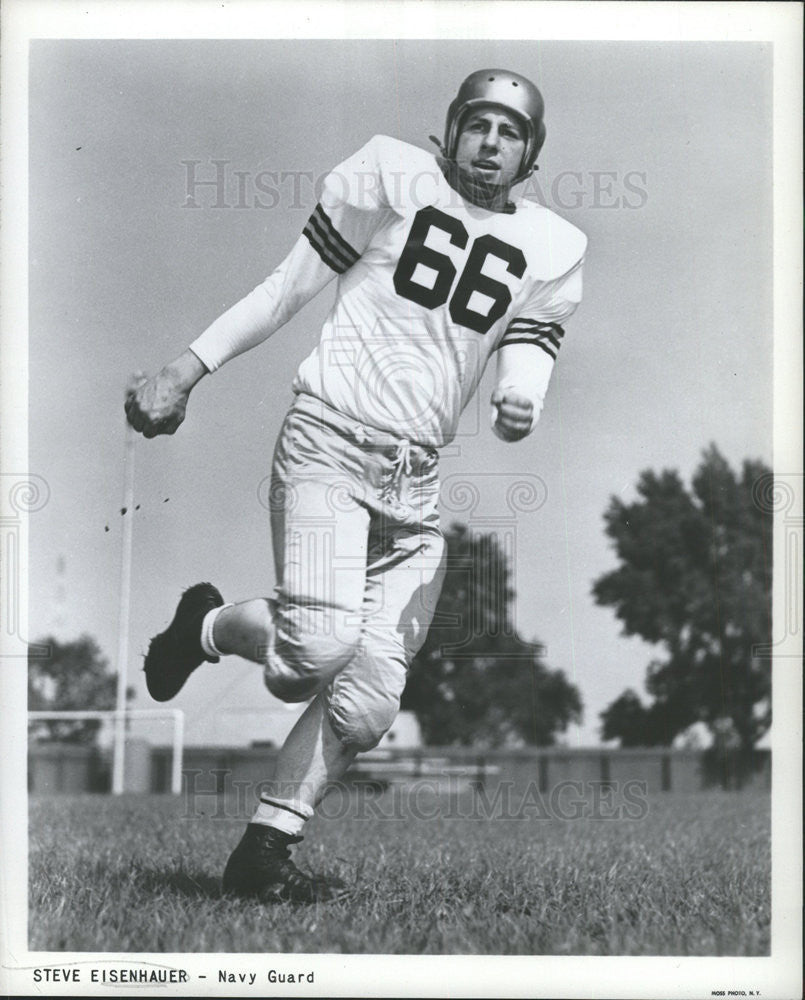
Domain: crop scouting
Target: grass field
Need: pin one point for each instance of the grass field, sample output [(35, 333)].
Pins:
[(692, 877)]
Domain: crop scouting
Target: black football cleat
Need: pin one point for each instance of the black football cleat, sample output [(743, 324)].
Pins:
[(260, 868), (174, 654)]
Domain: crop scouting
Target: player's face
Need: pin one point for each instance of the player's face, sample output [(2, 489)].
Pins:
[(490, 145)]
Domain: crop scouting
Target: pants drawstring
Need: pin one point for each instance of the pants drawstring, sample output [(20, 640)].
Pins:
[(402, 467)]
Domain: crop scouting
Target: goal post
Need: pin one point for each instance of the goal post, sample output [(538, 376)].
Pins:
[(119, 719)]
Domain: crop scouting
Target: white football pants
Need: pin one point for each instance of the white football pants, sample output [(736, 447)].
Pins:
[(359, 559)]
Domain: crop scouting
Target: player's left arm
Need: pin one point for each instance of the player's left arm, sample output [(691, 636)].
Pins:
[(527, 354), (517, 400)]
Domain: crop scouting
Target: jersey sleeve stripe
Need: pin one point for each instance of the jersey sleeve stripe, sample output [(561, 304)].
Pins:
[(546, 343), (349, 250), (327, 249), (321, 249), (331, 239), (522, 323), (530, 337), (534, 343), (547, 336)]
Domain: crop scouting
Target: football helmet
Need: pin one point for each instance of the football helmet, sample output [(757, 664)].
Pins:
[(507, 90)]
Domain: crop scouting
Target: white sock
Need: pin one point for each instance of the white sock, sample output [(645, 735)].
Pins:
[(287, 815), (207, 642)]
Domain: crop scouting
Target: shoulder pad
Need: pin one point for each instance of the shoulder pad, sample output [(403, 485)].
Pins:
[(409, 174), (566, 244)]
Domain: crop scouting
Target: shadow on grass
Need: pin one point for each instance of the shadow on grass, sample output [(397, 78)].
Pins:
[(195, 886), (191, 885)]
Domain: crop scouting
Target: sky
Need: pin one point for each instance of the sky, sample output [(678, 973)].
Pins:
[(659, 151)]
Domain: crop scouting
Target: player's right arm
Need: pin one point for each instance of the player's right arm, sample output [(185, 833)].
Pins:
[(157, 405), (336, 234)]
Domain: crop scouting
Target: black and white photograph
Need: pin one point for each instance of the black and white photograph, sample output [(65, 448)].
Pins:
[(401, 499)]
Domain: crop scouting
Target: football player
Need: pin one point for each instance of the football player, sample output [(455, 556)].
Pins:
[(438, 269)]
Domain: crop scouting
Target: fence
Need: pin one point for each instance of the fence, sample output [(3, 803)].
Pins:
[(57, 768)]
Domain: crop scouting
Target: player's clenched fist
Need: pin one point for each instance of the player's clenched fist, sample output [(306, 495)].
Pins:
[(157, 405), (514, 415)]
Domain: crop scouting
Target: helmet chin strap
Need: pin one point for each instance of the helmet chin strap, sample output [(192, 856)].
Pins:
[(474, 189), (517, 180)]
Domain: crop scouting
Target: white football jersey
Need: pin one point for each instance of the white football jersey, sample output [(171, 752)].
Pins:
[(429, 286)]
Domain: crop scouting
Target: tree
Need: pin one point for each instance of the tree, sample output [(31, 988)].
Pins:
[(475, 681), (694, 578), (627, 719), (74, 676)]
